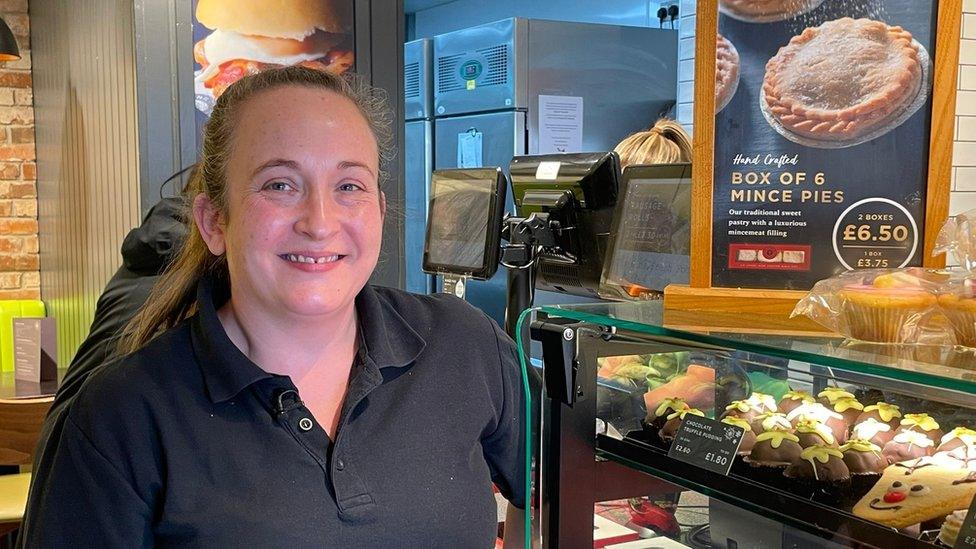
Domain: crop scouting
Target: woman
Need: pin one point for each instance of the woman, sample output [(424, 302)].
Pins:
[(666, 142), (288, 403)]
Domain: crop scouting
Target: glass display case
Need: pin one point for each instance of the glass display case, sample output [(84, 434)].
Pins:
[(836, 443)]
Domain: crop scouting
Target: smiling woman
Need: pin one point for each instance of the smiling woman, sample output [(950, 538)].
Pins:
[(272, 395)]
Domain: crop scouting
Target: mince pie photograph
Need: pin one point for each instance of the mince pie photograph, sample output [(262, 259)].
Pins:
[(765, 11), (844, 82), (726, 72)]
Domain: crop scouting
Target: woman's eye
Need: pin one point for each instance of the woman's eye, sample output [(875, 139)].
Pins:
[(350, 187), (278, 186)]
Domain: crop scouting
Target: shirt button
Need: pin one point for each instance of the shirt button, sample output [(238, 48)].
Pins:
[(340, 465), (305, 424)]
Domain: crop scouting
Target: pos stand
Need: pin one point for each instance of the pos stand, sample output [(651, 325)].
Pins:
[(524, 237)]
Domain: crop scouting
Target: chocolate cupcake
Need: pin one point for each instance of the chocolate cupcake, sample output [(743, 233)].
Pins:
[(865, 462), (742, 410), (816, 411), (922, 423), (670, 429), (792, 399), (850, 408), (820, 473), (814, 433), (762, 402), (883, 412), (874, 431), (771, 421), (772, 453), (659, 416), (908, 445), (959, 443), (828, 396)]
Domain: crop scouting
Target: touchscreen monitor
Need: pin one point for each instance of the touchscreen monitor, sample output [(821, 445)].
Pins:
[(651, 237), (464, 222)]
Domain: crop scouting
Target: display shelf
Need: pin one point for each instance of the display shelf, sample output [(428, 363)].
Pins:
[(806, 514), (952, 368)]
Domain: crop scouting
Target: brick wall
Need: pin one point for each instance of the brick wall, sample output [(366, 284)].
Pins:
[(19, 271), (963, 195)]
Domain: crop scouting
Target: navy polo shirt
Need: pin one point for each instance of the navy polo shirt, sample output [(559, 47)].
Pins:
[(187, 443)]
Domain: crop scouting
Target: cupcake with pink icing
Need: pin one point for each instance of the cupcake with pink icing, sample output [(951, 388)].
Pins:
[(889, 310)]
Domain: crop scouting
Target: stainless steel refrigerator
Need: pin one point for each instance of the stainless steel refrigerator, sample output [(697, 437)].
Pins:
[(524, 86), (418, 158)]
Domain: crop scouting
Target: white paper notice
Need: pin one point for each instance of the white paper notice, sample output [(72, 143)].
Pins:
[(560, 124)]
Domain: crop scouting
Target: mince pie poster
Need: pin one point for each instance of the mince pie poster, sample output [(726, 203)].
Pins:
[(821, 138), (234, 38)]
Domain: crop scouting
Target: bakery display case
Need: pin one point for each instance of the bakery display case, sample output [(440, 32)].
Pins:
[(797, 440)]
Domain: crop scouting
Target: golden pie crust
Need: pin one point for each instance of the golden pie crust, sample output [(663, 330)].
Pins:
[(843, 79), (726, 72), (759, 11)]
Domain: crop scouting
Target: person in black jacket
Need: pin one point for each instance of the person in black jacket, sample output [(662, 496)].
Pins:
[(146, 251), (268, 395)]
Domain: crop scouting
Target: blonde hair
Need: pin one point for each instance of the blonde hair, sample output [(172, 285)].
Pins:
[(666, 142), (173, 298)]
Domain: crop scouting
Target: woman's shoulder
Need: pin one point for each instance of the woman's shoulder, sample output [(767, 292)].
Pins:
[(438, 311), (125, 388)]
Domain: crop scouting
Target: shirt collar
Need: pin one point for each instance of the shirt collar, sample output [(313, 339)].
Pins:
[(387, 340)]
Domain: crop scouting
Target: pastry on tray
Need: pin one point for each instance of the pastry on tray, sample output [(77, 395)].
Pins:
[(726, 72), (843, 80), (919, 490)]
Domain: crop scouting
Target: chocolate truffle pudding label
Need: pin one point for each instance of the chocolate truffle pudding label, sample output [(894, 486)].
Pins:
[(706, 443)]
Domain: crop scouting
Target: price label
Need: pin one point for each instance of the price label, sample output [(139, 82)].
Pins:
[(706, 443), (967, 532), (875, 233)]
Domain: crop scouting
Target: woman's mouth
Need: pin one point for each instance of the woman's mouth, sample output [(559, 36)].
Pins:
[(311, 259)]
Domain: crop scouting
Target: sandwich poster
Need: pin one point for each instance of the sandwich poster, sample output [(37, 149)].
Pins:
[(821, 138), (235, 38)]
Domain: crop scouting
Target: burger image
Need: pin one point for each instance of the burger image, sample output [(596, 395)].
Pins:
[(249, 36)]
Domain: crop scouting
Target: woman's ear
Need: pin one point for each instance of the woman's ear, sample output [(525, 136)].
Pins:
[(383, 205), (210, 224)]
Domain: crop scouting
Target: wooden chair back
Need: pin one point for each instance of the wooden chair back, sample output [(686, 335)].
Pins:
[(20, 428)]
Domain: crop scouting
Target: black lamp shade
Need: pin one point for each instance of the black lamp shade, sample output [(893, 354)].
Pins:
[(8, 44)]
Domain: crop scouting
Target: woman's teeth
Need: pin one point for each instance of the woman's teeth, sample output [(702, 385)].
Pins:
[(303, 259)]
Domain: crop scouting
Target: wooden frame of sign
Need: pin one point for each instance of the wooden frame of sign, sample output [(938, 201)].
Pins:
[(773, 306)]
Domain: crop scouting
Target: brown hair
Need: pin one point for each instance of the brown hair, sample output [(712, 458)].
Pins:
[(173, 297), (666, 142)]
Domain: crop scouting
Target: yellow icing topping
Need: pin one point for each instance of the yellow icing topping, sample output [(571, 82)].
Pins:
[(815, 427), (834, 393), (844, 404), (967, 435), (820, 453), (673, 403), (886, 411), (922, 421), (739, 405), (738, 422), (798, 395), (686, 411), (776, 438), (860, 445)]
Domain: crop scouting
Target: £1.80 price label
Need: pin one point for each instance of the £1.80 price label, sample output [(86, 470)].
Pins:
[(875, 233), (706, 443)]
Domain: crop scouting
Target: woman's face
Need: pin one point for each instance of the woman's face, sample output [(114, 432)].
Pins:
[(304, 215)]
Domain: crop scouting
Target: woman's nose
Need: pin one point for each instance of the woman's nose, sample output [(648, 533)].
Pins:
[(318, 219)]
